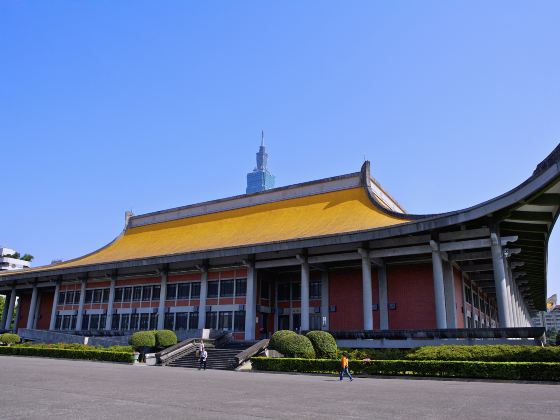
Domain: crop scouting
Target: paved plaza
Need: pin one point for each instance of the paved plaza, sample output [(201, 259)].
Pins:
[(34, 388)]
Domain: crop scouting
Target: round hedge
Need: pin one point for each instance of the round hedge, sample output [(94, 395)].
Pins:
[(143, 339), (291, 344), (9, 338), (165, 338), (324, 344), (278, 338)]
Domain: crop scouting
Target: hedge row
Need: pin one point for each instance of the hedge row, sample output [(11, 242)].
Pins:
[(535, 371), (108, 356), (492, 353), (76, 346), (486, 353)]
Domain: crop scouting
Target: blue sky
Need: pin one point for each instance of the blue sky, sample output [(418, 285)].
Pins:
[(108, 106)]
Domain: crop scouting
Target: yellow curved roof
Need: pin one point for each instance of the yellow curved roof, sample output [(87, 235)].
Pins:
[(316, 215)]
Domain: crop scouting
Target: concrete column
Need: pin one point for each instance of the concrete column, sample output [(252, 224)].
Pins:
[(162, 298), (509, 294), (304, 296), (81, 305), (324, 299), (383, 300), (367, 293), (32, 308), (464, 300), (472, 303), (54, 305), (500, 281), (439, 292), (449, 291), (11, 306), (5, 311), (109, 318), (202, 300), (251, 303)]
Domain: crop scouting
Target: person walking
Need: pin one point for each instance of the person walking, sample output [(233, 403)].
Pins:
[(344, 367), (203, 357)]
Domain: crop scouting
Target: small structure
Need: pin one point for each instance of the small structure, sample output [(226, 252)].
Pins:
[(9, 260)]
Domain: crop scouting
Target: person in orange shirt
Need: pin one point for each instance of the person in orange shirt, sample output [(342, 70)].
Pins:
[(344, 367)]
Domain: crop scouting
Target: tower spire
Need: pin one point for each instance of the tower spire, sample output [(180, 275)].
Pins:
[(262, 138), (260, 179)]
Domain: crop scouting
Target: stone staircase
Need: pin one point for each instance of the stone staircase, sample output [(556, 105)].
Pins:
[(218, 358)]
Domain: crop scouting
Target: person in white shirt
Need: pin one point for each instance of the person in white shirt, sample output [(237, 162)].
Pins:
[(203, 357)]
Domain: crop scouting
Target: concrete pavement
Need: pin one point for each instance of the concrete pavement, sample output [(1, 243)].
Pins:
[(35, 388)]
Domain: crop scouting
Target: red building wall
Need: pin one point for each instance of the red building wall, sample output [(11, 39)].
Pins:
[(411, 288), (24, 302), (459, 299), (45, 310), (345, 292)]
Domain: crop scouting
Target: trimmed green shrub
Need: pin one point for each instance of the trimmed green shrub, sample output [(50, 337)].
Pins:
[(142, 339), (297, 346), (126, 349), (102, 355), (536, 371), (9, 338), (324, 344), (165, 338), (375, 354), (278, 339), (490, 353)]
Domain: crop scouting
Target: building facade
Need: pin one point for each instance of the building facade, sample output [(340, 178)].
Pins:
[(336, 254)]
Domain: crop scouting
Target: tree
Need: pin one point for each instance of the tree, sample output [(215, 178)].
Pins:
[(27, 257)]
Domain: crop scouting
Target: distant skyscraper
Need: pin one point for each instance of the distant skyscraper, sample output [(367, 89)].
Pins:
[(260, 179)]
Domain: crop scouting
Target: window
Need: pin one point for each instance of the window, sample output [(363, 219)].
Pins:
[(137, 293), (97, 295), (125, 321), (476, 301), (171, 291), (182, 322), (153, 320), (73, 319), (296, 291), (213, 289), (102, 321), (70, 297), (226, 288), (315, 322), (240, 287), (284, 291), (115, 321), (211, 319), (146, 293), (239, 321), (127, 294), (58, 322), (169, 322), (118, 294), (315, 290), (77, 297), (65, 322), (106, 293), (265, 290), (134, 321), (156, 292), (468, 294), (193, 321), (61, 297), (94, 322), (183, 290), (225, 320), (144, 321), (85, 322), (195, 290), (89, 296)]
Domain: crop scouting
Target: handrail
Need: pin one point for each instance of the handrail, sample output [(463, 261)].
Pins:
[(251, 351)]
